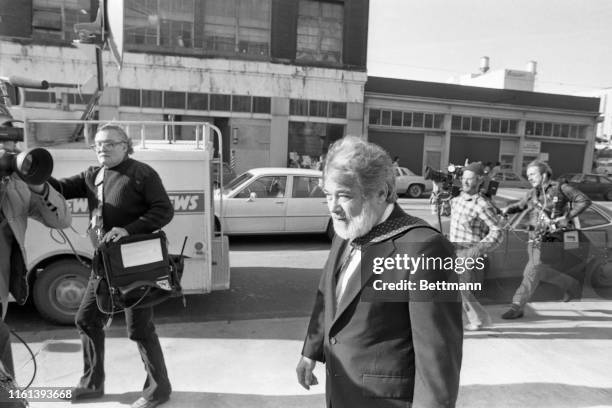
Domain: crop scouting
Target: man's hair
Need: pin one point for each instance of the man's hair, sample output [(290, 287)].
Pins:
[(119, 130), (542, 166), (368, 164)]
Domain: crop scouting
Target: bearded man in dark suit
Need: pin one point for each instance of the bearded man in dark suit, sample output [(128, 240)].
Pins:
[(381, 349)]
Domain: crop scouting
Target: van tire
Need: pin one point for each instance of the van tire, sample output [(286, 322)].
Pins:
[(59, 289)]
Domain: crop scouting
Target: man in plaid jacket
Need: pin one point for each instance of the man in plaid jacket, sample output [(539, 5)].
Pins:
[(474, 230)]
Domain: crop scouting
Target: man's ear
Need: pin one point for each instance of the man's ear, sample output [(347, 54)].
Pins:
[(383, 193)]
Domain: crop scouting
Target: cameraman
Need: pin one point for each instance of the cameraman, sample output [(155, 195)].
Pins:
[(551, 205), (18, 201), (125, 197), (474, 231)]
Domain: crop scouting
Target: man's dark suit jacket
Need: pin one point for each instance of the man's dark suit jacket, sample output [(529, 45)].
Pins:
[(388, 354)]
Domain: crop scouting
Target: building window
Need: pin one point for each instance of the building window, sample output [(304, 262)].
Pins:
[(319, 31), (220, 102), (237, 26), (386, 118), (298, 107), (227, 26), (318, 108), (129, 97), (476, 122), (41, 97), (549, 129), (408, 119), (79, 99), (484, 125), (55, 19), (241, 103), (374, 117), (151, 99), (167, 23), (197, 101), (308, 141), (261, 104), (337, 110), (174, 100)]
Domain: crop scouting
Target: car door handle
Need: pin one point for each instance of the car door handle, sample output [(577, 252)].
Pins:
[(279, 202)]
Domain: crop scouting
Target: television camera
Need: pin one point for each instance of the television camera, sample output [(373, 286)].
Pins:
[(447, 180), (34, 166)]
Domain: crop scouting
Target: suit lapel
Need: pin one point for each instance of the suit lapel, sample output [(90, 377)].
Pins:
[(334, 262), (356, 284)]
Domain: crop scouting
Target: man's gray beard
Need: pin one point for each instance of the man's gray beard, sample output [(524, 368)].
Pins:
[(358, 226)]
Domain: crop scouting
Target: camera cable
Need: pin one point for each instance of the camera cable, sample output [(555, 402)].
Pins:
[(33, 357)]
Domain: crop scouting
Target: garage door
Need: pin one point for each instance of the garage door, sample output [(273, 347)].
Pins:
[(408, 146), (564, 157), (473, 148)]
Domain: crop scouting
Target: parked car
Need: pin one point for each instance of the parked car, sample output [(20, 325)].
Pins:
[(509, 179), (275, 201), (228, 173), (406, 182), (604, 166), (564, 178), (593, 185)]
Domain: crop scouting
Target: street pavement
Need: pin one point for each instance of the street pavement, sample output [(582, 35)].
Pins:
[(239, 348), (557, 356)]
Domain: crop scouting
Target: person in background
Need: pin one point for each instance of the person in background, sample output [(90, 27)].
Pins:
[(550, 204), (474, 230)]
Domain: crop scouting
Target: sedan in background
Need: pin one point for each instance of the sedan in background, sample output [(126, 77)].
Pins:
[(406, 182), (509, 179), (274, 200), (593, 185)]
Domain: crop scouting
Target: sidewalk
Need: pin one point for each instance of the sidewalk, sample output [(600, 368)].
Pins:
[(557, 356)]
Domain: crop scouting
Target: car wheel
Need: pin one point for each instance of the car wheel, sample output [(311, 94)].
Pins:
[(608, 195), (415, 190), (329, 231), (58, 290)]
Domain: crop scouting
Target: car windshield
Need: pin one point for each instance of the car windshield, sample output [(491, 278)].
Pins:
[(236, 182)]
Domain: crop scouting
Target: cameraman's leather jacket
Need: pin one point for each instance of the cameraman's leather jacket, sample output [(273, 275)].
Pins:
[(556, 201)]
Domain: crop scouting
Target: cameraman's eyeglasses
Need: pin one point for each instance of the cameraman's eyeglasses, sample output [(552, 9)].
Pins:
[(104, 145)]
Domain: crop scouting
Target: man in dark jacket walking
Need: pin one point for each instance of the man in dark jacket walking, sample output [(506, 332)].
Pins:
[(125, 197), (380, 350)]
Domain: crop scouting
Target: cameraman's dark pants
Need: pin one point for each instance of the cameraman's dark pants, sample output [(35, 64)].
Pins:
[(140, 328)]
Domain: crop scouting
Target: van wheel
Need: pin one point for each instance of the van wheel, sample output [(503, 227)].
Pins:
[(415, 190), (58, 290), (329, 231)]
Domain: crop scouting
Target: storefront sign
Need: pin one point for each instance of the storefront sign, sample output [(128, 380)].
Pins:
[(531, 148)]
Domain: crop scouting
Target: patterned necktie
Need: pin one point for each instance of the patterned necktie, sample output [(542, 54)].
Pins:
[(96, 226)]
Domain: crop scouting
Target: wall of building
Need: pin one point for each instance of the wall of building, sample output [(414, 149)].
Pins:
[(279, 82), (447, 144)]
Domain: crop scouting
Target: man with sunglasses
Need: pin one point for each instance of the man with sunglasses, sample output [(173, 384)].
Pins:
[(125, 197)]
